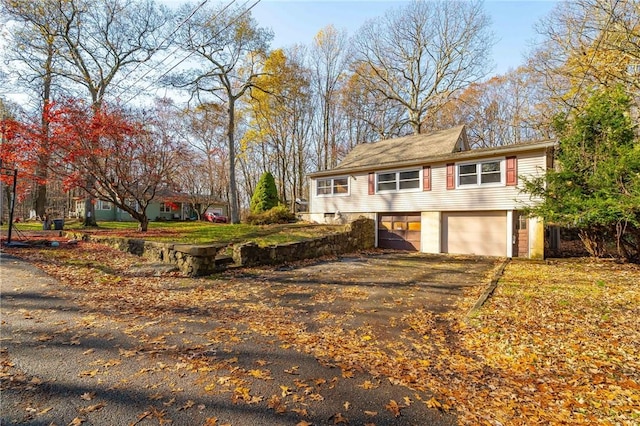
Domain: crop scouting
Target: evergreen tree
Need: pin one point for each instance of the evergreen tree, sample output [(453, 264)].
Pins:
[(596, 188), (265, 197)]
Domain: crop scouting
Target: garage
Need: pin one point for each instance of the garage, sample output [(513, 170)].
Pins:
[(399, 231), (479, 233)]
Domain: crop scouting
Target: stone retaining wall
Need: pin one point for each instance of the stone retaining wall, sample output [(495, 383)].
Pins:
[(358, 235), (205, 259), (192, 260)]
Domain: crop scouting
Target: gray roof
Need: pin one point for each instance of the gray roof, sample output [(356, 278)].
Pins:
[(445, 145)]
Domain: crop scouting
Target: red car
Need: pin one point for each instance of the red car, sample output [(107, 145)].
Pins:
[(215, 217)]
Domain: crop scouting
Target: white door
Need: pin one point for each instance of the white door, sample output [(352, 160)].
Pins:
[(479, 233)]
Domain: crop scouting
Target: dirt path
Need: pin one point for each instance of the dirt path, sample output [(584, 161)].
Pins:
[(324, 343)]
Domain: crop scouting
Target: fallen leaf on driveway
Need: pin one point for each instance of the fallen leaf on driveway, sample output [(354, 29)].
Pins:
[(92, 408), (338, 418), (394, 408)]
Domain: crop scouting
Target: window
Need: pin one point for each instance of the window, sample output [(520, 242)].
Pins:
[(398, 181), (333, 186), (103, 205), (483, 173), (165, 208), (134, 205)]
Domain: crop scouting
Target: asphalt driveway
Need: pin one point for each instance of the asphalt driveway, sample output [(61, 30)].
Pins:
[(356, 340)]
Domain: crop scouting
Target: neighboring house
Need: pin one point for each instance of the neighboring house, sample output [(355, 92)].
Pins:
[(432, 193), (169, 206)]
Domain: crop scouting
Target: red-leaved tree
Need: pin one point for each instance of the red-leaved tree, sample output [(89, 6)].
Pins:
[(20, 145), (113, 154)]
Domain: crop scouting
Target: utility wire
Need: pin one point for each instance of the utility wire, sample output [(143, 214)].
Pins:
[(175, 30), (192, 53)]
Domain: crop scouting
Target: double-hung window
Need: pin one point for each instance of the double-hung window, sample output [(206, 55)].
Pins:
[(333, 186), (480, 173), (165, 208), (398, 181), (103, 205)]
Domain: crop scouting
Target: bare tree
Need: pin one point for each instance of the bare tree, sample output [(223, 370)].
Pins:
[(105, 41), (229, 47), (420, 55), (500, 111), (204, 176), (33, 55), (329, 57), (588, 43), (88, 44)]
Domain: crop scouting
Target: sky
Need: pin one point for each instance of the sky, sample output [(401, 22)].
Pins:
[(297, 21)]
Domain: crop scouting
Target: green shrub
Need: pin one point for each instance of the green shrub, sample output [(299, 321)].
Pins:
[(277, 214), (265, 197)]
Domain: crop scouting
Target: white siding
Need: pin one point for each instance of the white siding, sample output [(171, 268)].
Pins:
[(438, 199)]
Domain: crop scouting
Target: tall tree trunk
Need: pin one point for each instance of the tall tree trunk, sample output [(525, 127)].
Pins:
[(233, 196), (143, 223), (89, 206), (40, 201)]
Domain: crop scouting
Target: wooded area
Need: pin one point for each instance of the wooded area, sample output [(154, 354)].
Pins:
[(235, 108)]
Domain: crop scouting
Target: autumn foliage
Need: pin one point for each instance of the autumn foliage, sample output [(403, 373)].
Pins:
[(113, 154)]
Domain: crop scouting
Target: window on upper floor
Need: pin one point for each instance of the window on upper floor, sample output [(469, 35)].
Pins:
[(480, 173), (398, 181), (332, 186)]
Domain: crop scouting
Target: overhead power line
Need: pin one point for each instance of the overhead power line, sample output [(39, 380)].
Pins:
[(156, 80)]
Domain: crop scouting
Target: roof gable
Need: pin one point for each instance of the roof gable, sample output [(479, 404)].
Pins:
[(408, 148)]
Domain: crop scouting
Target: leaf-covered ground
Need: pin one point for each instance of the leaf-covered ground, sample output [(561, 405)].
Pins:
[(555, 344)]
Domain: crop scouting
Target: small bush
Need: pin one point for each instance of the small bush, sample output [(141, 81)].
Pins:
[(265, 197), (278, 214)]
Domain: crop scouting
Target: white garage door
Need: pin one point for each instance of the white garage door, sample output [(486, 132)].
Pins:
[(481, 233)]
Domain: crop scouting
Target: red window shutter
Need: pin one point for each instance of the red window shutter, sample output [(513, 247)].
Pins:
[(512, 171), (372, 184), (426, 178), (451, 176)]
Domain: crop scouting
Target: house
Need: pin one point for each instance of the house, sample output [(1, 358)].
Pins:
[(170, 205), (434, 194)]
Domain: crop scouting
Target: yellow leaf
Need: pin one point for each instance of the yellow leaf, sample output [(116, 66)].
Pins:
[(433, 403), (368, 385), (285, 390)]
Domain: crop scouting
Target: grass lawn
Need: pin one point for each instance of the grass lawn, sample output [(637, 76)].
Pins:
[(197, 232)]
